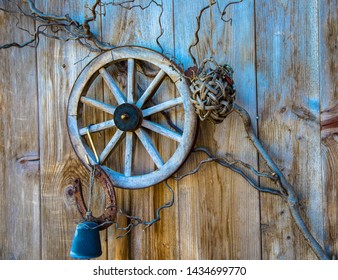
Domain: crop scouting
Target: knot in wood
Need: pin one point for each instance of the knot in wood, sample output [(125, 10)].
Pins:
[(213, 93)]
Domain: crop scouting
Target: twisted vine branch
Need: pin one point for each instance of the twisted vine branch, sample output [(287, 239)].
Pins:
[(136, 221), (289, 194), (64, 28), (198, 23), (285, 191), (232, 164)]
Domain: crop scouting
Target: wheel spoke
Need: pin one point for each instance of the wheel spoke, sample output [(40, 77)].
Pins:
[(128, 158), (162, 130), (97, 127), (149, 146), (162, 106), (152, 88), (98, 105), (111, 145), (131, 81), (119, 96)]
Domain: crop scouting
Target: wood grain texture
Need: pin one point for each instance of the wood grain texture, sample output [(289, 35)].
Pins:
[(57, 72), (222, 220), (288, 106), (284, 54), (19, 146), (328, 61), (161, 240)]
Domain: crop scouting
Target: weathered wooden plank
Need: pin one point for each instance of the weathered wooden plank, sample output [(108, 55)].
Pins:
[(57, 72), (288, 106), (328, 33), (19, 145), (219, 211), (216, 214), (141, 27)]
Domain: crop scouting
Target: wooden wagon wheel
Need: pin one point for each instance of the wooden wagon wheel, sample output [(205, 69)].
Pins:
[(131, 117)]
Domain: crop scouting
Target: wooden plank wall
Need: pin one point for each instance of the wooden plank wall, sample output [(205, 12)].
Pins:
[(289, 110), (20, 151), (214, 189), (328, 62), (284, 54)]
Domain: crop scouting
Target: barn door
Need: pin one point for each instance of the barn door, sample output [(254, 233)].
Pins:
[(282, 53)]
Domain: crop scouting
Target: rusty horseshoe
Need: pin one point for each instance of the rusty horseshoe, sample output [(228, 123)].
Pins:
[(109, 215)]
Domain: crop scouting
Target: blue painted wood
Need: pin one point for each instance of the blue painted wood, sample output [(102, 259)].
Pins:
[(222, 220), (284, 56), (288, 108), (328, 67), (19, 145)]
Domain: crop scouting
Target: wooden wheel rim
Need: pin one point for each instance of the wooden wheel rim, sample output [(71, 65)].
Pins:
[(185, 141)]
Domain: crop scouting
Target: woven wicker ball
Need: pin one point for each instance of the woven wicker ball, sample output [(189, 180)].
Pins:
[(213, 93)]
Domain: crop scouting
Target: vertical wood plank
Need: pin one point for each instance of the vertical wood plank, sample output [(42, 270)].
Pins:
[(141, 27), (288, 106), (216, 214), (57, 70), (19, 145), (328, 33), (219, 211)]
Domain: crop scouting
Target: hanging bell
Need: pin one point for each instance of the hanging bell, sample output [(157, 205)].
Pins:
[(86, 243)]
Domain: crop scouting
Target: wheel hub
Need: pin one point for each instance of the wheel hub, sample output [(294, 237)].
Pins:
[(128, 117)]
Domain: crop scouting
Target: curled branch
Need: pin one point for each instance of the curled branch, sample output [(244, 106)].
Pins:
[(135, 221), (224, 11), (17, 45), (72, 29), (287, 189), (198, 23), (62, 28), (65, 28), (198, 20), (231, 164), (160, 5)]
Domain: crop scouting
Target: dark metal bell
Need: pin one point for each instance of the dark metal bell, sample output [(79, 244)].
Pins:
[(86, 243)]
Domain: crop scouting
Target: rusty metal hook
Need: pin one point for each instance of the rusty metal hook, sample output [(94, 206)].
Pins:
[(109, 215)]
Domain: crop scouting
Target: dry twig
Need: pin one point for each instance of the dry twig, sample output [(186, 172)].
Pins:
[(286, 190), (198, 23), (64, 28), (136, 221)]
